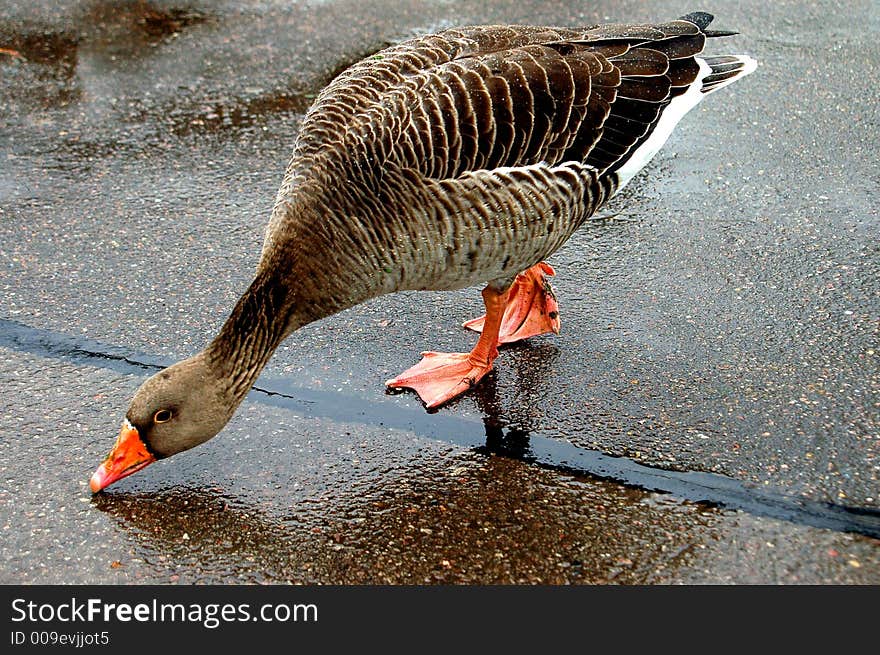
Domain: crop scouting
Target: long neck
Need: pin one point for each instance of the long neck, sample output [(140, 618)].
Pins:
[(259, 322)]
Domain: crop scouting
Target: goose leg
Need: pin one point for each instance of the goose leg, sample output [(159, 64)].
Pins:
[(531, 307), (440, 377)]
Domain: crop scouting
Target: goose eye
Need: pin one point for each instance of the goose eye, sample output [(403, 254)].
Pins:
[(162, 416)]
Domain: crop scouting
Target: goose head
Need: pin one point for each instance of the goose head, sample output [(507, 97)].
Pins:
[(188, 403), (176, 409)]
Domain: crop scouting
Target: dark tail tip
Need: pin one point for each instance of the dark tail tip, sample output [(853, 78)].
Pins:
[(699, 18), (702, 19)]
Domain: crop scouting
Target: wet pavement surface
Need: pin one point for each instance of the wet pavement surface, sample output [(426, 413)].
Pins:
[(709, 413)]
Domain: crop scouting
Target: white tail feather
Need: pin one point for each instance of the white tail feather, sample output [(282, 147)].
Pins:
[(675, 111)]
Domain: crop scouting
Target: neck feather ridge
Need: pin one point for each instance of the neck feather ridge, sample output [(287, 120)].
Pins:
[(258, 324)]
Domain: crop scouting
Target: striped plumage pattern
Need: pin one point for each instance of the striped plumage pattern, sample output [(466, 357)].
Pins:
[(467, 156)]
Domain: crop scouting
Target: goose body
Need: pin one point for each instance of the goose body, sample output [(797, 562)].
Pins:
[(453, 159)]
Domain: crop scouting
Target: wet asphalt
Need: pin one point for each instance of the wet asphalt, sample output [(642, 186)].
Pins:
[(708, 414)]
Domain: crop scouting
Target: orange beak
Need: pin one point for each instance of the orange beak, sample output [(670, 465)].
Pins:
[(128, 456)]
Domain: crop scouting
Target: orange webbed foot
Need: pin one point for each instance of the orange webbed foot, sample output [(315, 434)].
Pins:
[(440, 377), (531, 307)]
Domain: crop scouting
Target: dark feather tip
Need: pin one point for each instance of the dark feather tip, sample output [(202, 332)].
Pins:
[(719, 33), (699, 18)]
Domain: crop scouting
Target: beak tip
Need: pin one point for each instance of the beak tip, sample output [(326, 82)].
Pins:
[(96, 483)]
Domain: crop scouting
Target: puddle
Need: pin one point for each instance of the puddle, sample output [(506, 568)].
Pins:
[(489, 520), (182, 528), (129, 29), (159, 23), (240, 113), (119, 29), (41, 66), (55, 50), (491, 436)]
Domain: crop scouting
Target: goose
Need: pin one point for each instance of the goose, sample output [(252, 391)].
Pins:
[(453, 159)]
